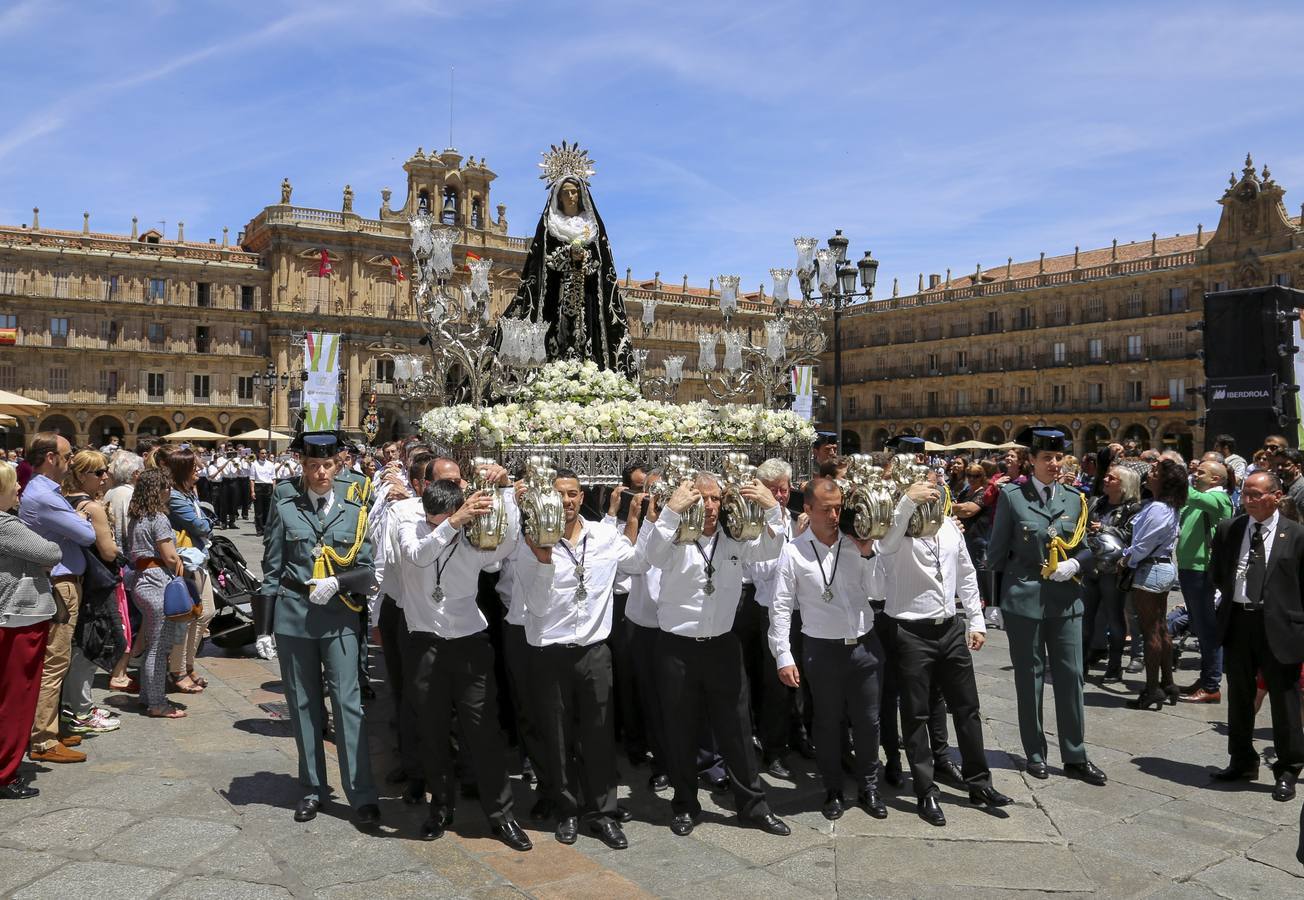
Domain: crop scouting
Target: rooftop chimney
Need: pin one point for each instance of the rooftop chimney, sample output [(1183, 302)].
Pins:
[(934, 281)]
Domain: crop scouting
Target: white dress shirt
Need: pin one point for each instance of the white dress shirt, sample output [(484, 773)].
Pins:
[(555, 614), (264, 471), (1243, 559), (382, 529), (509, 592), (429, 555), (683, 606), (911, 566), (218, 469), (641, 607), (1041, 489), (800, 585), (765, 575), (313, 497), (622, 578)]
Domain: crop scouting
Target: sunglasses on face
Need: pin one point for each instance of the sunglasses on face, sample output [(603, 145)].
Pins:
[(100, 473)]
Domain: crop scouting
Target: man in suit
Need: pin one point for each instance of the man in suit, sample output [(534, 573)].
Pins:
[(1257, 563), (1037, 542), (317, 572)]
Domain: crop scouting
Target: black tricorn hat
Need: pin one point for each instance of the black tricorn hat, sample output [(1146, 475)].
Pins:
[(906, 443), (1047, 439), (824, 438), (316, 444)]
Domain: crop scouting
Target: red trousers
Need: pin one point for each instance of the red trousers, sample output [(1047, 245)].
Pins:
[(22, 652)]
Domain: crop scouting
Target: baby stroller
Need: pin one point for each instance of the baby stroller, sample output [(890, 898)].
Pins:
[(234, 587)]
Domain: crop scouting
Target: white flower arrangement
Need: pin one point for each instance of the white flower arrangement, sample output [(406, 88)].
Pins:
[(570, 402)]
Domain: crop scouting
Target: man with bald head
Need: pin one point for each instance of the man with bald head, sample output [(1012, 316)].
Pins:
[(1207, 504)]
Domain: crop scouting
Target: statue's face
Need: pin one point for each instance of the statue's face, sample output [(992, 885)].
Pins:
[(569, 198)]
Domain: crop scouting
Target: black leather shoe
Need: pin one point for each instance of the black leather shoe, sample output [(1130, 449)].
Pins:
[(872, 801), (892, 773), (770, 824), (930, 810), (610, 834), (715, 785), (568, 829), (947, 772), (415, 792), (681, 824), (622, 814), (18, 790), (1284, 789), (511, 834), (659, 783), (834, 804), (1038, 770), (306, 811), (542, 811), (367, 816), (776, 768), (988, 796), (432, 829), (1237, 773), (1086, 771)]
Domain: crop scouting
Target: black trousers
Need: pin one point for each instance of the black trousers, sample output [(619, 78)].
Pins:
[(244, 489), (845, 681), (516, 655), (460, 673), (931, 655), (1246, 652), (697, 677), (572, 689), (642, 645), (628, 715), (262, 502), (888, 721), (773, 702), (228, 499), (394, 641)]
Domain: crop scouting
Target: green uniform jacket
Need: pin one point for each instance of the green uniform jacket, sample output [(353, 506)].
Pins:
[(1200, 517), (288, 542), (1017, 547)]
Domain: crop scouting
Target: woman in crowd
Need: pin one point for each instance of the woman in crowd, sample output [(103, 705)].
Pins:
[(123, 470), (1103, 600), (969, 509), (26, 607), (1070, 470), (956, 481), (1150, 556), (151, 546), (83, 487), (193, 530)]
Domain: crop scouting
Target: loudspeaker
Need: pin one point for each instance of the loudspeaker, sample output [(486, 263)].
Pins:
[(1248, 361)]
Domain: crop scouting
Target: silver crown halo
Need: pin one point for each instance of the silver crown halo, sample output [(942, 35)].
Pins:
[(566, 161)]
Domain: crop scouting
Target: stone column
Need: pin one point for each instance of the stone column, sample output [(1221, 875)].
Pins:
[(352, 418), (281, 405)]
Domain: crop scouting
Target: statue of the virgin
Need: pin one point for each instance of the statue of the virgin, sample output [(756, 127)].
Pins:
[(569, 280)]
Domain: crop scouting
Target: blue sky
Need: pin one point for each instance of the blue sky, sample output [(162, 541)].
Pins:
[(945, 136)]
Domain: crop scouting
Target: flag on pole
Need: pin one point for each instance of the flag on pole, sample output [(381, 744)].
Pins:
[(324, 268), (396, 269), (1160, 401), (8, 337), (470, 255)]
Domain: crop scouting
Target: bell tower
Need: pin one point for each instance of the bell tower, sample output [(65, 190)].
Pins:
[(454, 192)]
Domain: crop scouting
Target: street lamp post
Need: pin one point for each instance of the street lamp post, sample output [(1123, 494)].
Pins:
[(273, 381)]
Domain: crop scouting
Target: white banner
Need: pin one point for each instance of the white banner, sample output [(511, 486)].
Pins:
[(803, 386), (321, 392)]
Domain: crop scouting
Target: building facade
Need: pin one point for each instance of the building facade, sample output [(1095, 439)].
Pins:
[(1102, 344)]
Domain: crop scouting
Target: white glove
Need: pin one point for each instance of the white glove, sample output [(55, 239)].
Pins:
[(1065, 570), (265, 646), (323, 589)]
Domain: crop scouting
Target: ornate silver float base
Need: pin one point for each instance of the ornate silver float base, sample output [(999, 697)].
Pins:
[(603, 463)]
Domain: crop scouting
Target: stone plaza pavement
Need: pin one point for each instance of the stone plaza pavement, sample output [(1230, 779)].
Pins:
[(201, 807)]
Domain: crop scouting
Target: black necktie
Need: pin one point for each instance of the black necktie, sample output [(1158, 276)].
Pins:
[(1256, 569), (1048, 492), (321, 507)]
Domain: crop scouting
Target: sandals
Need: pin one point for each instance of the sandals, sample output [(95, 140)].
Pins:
[(196, 679), (131, 687), (170, 712), (174, 683)]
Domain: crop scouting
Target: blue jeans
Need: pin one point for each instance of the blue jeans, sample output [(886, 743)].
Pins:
[(1197, 590)]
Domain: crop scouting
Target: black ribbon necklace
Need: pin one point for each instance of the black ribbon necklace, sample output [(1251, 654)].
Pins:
[(581, 592), (438, 595), (827, 596), (710, 562)]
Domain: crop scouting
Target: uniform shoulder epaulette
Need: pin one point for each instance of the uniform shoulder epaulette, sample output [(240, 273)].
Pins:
[(1010, 487)]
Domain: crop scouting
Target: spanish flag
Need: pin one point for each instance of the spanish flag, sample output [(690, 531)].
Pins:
[(396, 269), (8, 337), (1160, 401), (470, 255)]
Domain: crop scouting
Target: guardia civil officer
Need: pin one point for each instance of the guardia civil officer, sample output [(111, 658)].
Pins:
[(317, 572), (1037, 542)]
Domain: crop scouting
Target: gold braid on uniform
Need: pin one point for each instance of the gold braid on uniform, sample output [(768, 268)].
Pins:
[(1058, 549), (946, 507), (329, 558)]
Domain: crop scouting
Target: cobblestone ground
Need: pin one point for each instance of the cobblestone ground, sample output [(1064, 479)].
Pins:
[(201, 808)]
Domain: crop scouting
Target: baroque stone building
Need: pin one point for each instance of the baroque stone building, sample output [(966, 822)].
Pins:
[(1098, 343)]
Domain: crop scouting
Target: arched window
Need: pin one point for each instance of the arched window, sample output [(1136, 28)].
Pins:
[(423, 201), (449, 214), (477, 214)]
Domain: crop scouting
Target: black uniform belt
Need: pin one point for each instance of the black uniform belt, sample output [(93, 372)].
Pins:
[(925, 623)]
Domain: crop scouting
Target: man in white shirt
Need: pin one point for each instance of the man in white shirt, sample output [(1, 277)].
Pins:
[(568, 601), (824, 574), (244, 473), (451, 654), (933, 641), (264, 478), (699, 661)]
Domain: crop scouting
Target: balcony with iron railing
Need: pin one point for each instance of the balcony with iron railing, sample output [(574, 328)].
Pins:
[(1110, 403), (76, 340)]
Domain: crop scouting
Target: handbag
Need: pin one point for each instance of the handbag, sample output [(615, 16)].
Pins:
[(179, 604)]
